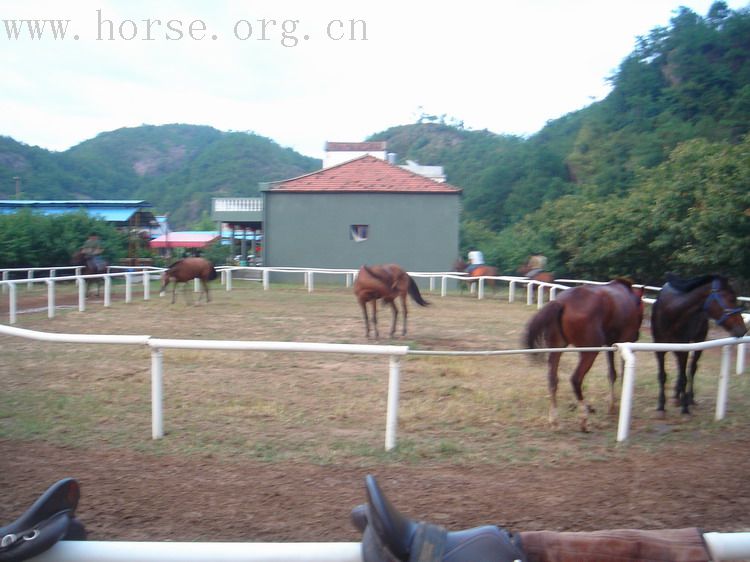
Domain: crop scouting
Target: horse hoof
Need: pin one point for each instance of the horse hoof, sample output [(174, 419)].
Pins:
[(661, 414)]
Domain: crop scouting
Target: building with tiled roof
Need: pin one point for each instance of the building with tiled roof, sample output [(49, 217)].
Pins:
[(362, 211)]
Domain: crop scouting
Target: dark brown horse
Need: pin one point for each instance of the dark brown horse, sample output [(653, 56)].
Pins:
[(185, 270), (586, 316), (680, 315), (91, 266), (479, 271), (387, 282)]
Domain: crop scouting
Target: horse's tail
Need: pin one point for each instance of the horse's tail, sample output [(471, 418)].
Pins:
[(542, 325), (415, 294), (212, 273)]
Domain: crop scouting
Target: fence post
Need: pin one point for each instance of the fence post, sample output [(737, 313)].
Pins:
[(740, 359), (157, 394), (266, 283), (310, 281), (5, 278), (721, 397), (512, 292), (12, 303), (480, 290), (196, 285), (530, 293), (30, 276), (443, 286), (107, 291), (626, 400), (81, 294), (50, 298), (391, 421), (146, 285), (228, 284), (128, 287), (540, 296)]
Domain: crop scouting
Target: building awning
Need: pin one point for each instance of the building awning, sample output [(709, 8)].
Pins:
[(184, 240)]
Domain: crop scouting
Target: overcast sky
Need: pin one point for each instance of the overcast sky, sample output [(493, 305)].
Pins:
[(305, 72)]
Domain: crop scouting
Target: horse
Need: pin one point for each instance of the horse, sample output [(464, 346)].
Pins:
[(185, 270), (387, 282), (680, 315), (91, 266), (536, 275), (479, 271), (586, 316)]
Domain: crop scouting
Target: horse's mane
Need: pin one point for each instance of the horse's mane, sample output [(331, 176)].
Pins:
[(627, 281), (687, 284)]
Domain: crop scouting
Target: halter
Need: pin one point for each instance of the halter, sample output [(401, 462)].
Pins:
[(716, 296)]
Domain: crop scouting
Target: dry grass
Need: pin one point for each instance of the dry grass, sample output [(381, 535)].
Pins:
[(322, 407)]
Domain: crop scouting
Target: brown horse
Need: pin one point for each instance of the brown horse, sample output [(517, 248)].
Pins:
[(680, 315), (479, 271), (387, 282), (91, 266), (185, 270), (536, 275), (586, 316)]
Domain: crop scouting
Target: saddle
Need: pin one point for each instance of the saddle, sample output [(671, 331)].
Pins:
[(50, 518), (389, 536)]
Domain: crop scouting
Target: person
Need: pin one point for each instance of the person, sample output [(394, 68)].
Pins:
[(92, 250), (476, 258), (536, 264)]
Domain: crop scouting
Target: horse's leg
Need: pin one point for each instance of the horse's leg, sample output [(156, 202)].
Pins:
[(690, 389), (375, 318), (662, 377), (553, 362), (205, 288), (404, 309), (174, 291), (363, 305), (612, 374), (394, 318), (584, 364), (681, 382)]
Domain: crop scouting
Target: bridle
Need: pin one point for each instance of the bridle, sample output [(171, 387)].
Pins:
[(716, 296)]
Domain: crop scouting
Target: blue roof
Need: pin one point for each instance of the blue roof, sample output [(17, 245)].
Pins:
[(110, 211)]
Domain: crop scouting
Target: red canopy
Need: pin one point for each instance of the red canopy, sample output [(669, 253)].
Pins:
[(184, 240)]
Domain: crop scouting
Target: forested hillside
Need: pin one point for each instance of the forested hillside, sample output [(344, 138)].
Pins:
[(654, 177), (178, 168)]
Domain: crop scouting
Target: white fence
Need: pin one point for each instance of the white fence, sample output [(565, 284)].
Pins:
[(721, 546), (533, 288)]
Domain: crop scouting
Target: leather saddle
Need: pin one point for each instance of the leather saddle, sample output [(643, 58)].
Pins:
[(389, 536), (50, 518)]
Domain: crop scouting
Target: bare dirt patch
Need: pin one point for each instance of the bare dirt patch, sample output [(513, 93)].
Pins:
[(274, 447)]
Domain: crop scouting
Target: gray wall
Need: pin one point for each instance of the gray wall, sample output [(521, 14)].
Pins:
[(415, 230)]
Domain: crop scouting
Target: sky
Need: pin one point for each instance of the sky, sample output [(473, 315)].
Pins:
[(304, 72)]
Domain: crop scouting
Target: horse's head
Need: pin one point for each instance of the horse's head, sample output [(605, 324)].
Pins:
[(722, 305), (459, 265)]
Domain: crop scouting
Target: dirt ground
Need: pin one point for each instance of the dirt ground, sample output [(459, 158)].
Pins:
[(132, 496), (134, 493)]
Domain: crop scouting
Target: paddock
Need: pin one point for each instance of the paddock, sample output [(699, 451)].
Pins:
[(274, 446)]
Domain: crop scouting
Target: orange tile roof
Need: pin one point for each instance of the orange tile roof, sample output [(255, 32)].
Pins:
[(364, 174)]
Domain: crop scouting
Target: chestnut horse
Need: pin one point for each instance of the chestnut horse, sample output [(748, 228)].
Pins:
[(479, 271), (185, 270), (539, 275), (680, 315), (586, 316), (387, 282)]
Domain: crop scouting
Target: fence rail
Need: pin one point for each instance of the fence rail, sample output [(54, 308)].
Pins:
[(721, 547)]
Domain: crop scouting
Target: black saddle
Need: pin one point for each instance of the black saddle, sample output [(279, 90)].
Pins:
[(389, 536), (51, 518)]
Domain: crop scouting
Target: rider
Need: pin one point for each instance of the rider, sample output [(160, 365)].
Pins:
[(476, 258), (92, 250), (536, 264)]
